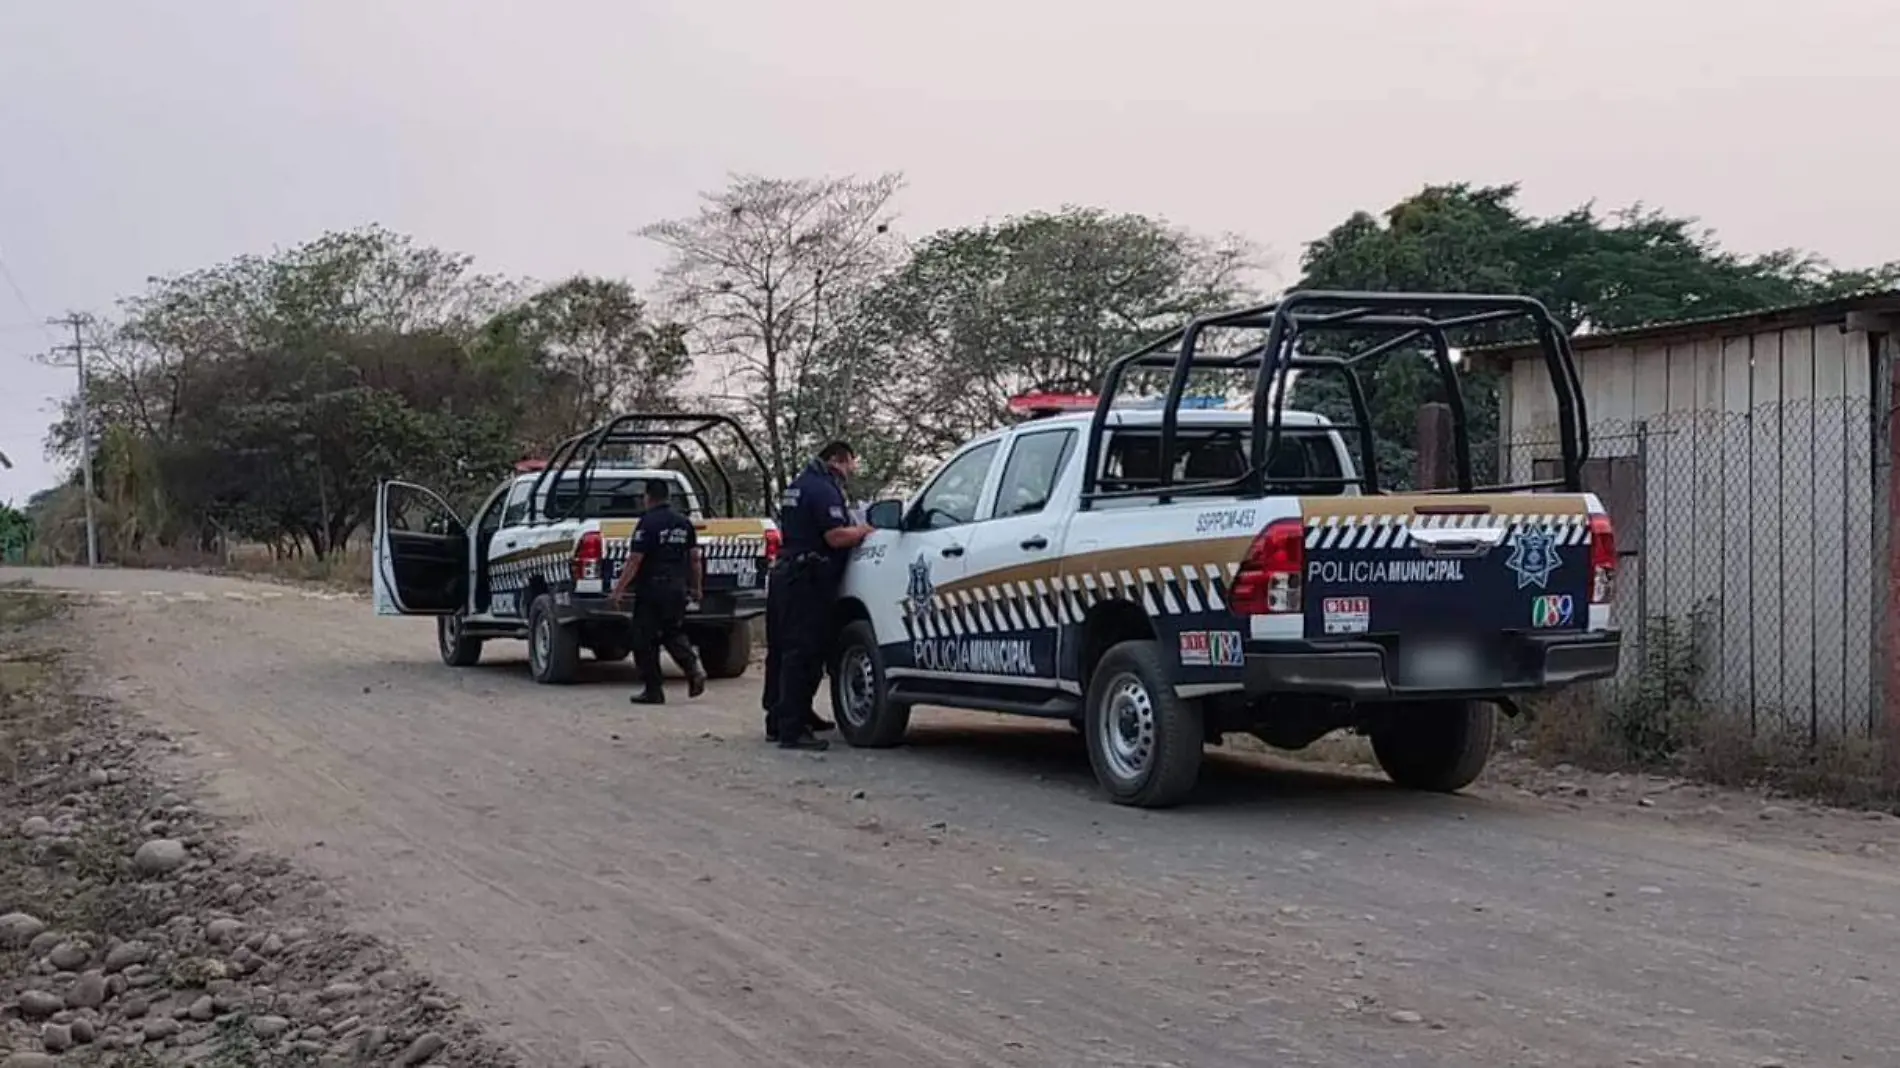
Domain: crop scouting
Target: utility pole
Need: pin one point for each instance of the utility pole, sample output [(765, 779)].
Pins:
[(78, 349)]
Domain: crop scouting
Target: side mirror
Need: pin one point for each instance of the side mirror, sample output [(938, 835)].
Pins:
[(885, 515)]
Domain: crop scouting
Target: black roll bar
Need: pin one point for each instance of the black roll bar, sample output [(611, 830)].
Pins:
[(641, 428), (1406, 319)]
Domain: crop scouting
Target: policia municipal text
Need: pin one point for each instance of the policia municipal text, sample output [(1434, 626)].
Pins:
[(818, 537)]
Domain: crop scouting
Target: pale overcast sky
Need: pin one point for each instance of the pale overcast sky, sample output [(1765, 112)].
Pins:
[(141, 138)]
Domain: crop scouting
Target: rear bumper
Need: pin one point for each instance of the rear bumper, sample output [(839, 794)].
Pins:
[(1365, 670), (718, 609)]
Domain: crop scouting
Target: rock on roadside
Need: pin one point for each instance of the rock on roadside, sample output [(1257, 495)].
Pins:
[(422, 1049), (159, 856), (38, 1004), (19, 928)]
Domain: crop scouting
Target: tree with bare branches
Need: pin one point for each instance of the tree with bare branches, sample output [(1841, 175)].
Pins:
[(769, 273)]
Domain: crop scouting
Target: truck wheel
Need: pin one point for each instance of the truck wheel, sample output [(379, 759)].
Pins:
[(725, 653), (1144, 740), (860, 697), (1439, 746), (457, 648), (611, 652), (554, 651)]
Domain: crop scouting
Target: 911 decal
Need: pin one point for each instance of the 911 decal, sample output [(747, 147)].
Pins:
[(1194, 650), (1553, 610), (1346, 615), (1211, 648)]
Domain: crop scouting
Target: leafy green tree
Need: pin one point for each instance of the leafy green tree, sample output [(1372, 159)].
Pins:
[(1595, 271), (581, 350), (16, 532), (267, 395), (1042, 301)]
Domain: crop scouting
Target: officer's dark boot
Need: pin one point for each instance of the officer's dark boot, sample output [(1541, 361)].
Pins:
[(805, 740), (653, 696), (696, 681)]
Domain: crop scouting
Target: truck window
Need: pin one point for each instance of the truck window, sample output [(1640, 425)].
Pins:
[(1134, 460), (609, 497), (1035, 463), (516, 510), (952, 496)]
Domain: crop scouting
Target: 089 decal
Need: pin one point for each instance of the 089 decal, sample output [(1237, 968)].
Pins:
[(1553, 610)]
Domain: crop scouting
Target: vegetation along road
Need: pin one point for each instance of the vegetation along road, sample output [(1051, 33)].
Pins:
[(609, 885)]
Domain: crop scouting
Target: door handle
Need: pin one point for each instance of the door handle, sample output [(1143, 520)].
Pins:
[(953, 550), (1037, 542)]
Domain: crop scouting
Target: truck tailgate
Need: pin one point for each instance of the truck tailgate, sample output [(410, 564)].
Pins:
[(1437, 577)]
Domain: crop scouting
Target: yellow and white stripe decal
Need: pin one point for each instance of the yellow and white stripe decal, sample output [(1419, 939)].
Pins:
[(1391, 531), (1042, 603)]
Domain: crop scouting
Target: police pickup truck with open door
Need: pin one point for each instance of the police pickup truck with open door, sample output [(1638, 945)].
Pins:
[(1160, 577), (543, 552)]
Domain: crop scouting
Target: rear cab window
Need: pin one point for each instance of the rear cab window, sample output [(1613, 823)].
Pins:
[(609, 496), (1306, 463)]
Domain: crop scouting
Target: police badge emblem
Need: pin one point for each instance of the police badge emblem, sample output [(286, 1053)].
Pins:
[(917, 594), (1533, 557)]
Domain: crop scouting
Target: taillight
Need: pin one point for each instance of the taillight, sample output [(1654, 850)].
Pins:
[(587, 557), (772, 541), (1602, 560), (1269, 580)]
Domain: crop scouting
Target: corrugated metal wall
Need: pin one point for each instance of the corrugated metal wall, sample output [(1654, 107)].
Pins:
[(1740, 471)]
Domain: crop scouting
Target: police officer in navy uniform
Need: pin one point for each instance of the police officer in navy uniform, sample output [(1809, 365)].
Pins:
[(665, 571), (817, 539)]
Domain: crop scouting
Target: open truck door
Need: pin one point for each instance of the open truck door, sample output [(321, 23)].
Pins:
[(421, 553)]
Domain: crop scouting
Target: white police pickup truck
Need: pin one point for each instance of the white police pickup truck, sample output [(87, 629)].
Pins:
[(1160, 577), (541, 556)]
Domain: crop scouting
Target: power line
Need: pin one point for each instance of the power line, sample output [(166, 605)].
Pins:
[(6, 275)]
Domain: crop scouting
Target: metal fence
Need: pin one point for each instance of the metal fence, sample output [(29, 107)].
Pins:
[(1753, 545)]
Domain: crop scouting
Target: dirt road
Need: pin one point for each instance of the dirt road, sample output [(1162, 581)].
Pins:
[(608, 885)]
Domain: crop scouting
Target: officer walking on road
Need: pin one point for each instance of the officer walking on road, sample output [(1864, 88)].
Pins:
[(666, 572), (818, 537)]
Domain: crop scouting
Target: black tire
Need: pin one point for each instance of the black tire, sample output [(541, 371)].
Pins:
[(554, 650), (725, 653), (861, 702), (1130, 695), (1436, 746), (612, 652), (457, 648)]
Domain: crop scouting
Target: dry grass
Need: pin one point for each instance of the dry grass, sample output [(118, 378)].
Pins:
[(1706, 744), (27, 672), (349, 569)]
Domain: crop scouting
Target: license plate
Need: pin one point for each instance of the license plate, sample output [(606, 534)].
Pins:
[(1445, 664)]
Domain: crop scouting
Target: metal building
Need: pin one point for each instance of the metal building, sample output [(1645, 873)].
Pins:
[(1747, 462)]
